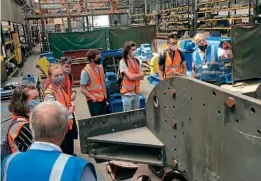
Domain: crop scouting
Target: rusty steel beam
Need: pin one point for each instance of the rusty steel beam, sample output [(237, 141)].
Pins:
[(202, 131)]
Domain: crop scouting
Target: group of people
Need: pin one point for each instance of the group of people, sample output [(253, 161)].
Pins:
[(46, 128), (92, 83), (207, 60)]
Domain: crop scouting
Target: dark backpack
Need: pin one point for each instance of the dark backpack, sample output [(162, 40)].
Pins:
[(120, 75), (5, 147)]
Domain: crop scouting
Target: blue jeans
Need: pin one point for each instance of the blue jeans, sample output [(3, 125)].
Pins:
[(130, 102)]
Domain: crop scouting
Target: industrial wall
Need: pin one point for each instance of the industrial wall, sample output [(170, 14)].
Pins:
[(10, 11)]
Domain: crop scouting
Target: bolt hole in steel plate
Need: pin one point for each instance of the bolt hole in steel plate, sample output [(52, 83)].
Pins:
[(156, 101), (217, 136)]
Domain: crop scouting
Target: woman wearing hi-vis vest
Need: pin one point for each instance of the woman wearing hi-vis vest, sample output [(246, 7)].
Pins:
[(68, 84), (24, 99), (171, 60), (56, 92)]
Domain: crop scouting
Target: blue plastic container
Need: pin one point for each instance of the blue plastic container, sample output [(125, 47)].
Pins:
[(115, 104)]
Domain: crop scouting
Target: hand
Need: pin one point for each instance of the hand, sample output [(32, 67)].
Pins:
[(71, 108), (73, 96), (142, 74), (93, 99)]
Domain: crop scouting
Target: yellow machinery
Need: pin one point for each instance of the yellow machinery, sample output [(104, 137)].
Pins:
[(42, 65), (17, 46)]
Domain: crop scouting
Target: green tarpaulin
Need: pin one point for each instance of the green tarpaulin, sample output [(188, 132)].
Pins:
[(60, 42), (246, 46), (118, 36)]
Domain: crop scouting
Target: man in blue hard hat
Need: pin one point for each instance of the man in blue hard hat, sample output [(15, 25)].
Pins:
[(44, 160)]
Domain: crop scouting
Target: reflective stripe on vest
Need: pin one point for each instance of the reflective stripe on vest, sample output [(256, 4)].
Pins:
[(212, 72), (14, 131), (131, 85), (171, 64), (7, 164), (64, 99), (97, 84), (58, 167)]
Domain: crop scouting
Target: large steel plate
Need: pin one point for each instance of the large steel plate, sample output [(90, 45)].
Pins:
[(209, 140)]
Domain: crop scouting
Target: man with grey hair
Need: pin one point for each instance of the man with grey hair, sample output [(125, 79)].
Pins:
[(45, 160), (206, 61)]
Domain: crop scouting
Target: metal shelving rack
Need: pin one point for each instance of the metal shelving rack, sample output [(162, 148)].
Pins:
[(69, 11), (8, 49), (220, 15), (178, 19), (23, 36)]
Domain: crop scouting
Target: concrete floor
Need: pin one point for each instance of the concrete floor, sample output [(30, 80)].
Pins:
[(82, 111)]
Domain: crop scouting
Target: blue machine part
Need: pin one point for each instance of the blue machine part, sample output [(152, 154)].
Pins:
[(188, 58), (144, 52), (47, 55), (188, 47), (226, 78), (154, 79), (112, 86), (110, 53), (52, 60), (217, 41)]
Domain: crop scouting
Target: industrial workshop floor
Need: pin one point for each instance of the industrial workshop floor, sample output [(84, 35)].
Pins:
[(82, 110)]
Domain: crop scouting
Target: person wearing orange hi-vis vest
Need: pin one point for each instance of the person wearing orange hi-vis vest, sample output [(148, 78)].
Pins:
[(171, 60), (56, 92), (130, 75), (93, 84)]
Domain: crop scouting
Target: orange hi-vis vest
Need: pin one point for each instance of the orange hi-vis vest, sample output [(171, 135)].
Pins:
[(172, 64), (131, 85), (96, 86), (63, 98), (14, 131)]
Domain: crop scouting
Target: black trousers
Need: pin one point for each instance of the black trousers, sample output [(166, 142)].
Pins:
[(75, 128), (97, 108), (67, 145)]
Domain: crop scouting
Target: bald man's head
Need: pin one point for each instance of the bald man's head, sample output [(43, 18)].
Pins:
[(49, 120)]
